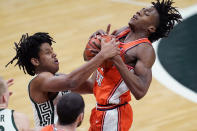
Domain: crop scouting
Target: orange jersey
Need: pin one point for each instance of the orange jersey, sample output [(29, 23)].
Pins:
[(48, 128), (112, 112), (51, 128), (109, 87)]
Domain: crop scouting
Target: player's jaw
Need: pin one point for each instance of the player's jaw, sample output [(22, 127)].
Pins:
[(47, 59), (51, 65)]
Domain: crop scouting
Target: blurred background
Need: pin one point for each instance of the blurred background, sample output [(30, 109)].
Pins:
[(70, 23)]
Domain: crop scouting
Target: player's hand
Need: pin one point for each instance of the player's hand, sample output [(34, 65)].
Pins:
[(116, 58), (109, 49), (101, 32), (10, 82)]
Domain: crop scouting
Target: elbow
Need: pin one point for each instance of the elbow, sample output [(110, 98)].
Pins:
[(139, 95)]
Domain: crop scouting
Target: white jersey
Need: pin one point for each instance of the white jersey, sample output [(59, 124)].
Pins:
[(7, 120), (45, 113)]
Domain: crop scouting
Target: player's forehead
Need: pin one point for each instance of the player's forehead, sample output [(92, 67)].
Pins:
[(149, 8), (45, 47)]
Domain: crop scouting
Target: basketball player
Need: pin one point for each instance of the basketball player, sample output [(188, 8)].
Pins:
[(70, 115), (36, 57), (131, 71), (10, 120)]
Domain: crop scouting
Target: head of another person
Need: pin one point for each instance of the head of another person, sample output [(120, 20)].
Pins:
[(4, 93), (70, 109), (157, 20), (34, 54)]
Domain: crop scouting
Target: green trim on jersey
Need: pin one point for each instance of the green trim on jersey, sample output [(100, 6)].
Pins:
[(13, 122)]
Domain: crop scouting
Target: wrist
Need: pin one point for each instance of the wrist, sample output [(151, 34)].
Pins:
[(101, 55)]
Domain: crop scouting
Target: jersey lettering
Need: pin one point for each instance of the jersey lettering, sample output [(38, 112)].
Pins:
[(99, 78), (2, 118)]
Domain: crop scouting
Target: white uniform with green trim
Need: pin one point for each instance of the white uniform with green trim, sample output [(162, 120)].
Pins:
[(7, 120), (45, 113)]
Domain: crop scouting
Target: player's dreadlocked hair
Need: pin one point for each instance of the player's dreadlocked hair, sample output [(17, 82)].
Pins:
[(168, 15), (27, 48)]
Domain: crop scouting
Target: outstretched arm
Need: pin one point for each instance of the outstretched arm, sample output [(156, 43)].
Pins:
[(139, 80), (47, 82), (87, 86)]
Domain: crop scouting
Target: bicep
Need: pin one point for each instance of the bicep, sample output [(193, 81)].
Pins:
[(55, 83), (145, 59), (143, 72)]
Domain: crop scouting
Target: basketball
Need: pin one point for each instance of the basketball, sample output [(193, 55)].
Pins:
[(93, 47)]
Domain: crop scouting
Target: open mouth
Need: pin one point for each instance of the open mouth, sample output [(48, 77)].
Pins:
[(56, 61)]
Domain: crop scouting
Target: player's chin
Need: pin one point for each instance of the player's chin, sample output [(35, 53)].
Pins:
[(56, 69)]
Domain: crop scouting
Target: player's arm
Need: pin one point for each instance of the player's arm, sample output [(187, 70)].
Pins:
[(47, 82), (87, 86), (139, 80), (22, 121)]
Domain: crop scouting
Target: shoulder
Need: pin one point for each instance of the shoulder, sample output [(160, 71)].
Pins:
[(146, 53), (40, 78), (21, 120), (20, 115)]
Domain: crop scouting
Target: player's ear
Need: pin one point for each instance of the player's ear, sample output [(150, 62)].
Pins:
[(35, 61), (151, 29), (80, 117), (4, 99)]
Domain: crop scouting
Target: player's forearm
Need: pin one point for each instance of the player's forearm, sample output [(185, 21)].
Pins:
[(80, 75), (85, 88), (133, 82)]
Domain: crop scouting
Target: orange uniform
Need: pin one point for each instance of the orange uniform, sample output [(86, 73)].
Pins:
[(51, 128), (48, 128), (112, 112)]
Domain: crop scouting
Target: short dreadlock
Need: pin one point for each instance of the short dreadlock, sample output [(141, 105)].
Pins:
[(27, 48), (168, 15)]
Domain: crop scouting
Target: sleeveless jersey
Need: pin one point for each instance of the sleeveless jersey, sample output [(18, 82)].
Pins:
[(7, 120), (109, 87), (45, 113), (51, 128), (48, 128)]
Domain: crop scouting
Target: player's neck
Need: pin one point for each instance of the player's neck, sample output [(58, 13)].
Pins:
[(40, 71), (71, 127), (131, 36)]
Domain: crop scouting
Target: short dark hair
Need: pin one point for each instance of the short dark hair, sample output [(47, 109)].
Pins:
[(168, 15), (28, 47), (69, 107)]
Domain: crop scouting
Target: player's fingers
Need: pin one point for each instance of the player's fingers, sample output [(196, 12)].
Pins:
[(108, 28), (97, 45), (10, 82), (114, 32), (98, 37), (113, 41), (117, 43), (94, 51)]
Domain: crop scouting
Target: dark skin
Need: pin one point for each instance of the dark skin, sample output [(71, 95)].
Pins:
[(46, 85), (141, 57)]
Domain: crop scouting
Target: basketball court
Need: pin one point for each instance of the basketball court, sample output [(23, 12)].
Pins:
[(70, 23)]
